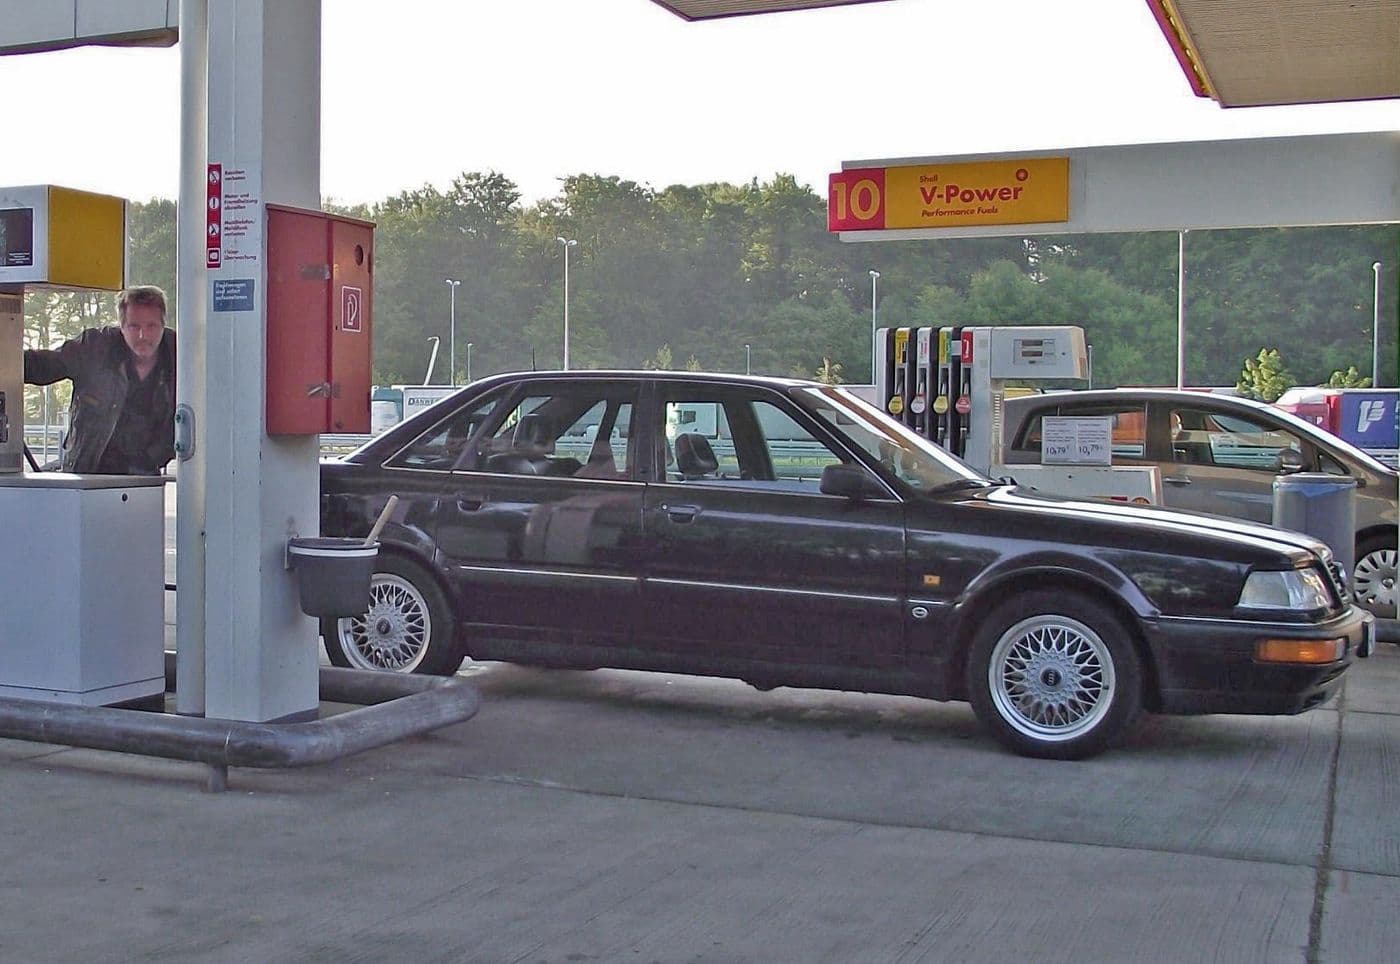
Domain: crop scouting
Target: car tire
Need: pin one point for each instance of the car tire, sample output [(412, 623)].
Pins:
[(1373, 579), (408, 627), (1055, 676)]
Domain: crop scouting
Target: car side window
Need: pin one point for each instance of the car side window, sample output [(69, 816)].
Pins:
[(1202, 437), (441, 447), (1129, 428), (578, 431), (743, 443)]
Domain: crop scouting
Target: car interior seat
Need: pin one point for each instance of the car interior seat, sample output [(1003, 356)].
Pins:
[(695, 459), (533, 439)]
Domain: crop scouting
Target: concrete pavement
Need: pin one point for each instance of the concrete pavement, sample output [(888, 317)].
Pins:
[(613, 816)]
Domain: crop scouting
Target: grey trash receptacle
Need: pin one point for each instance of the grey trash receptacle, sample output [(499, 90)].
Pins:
[(1322, 506), (333, 575)]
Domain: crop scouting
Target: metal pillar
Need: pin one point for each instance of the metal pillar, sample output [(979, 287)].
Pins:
[(264, 129), (1180, 310), (191, 318)]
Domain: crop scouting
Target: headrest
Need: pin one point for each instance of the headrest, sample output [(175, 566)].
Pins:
[(533, 436), (694, 456)]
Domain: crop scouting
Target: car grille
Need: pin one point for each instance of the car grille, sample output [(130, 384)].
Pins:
[(1338, 575)]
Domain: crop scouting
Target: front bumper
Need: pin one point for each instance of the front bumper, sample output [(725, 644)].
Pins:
[(1208, 665)]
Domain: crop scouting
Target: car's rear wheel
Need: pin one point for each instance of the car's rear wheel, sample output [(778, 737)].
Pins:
[(408, 627), (1373, 579), (1054, 675)]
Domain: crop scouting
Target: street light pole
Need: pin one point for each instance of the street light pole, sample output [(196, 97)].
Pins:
[(469, 363), (567, 243), (432, 360), (452, 332), (1180, 310), (874, 280), (1376, 330), (748, 360)]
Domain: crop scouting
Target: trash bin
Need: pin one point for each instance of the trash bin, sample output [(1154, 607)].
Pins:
[(1322, 506), (333, 575)]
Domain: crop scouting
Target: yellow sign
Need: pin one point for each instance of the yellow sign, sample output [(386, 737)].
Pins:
[(1018, 191)]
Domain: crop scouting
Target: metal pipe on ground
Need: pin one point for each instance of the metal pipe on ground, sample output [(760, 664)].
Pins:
[(392, 707)]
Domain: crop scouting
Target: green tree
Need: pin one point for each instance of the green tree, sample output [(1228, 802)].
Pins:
[(1264, 377), (829, 373), (1351, 378)]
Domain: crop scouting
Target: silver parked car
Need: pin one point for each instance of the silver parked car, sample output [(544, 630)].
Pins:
[(1220, 454)]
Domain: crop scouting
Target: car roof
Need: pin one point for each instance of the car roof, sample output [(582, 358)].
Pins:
[(1144, 394), (770, 381)]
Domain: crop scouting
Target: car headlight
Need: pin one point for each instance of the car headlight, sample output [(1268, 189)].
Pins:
[(1298, 589)]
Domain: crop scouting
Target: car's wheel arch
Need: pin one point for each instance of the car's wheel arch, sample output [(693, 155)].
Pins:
[(1384, 533), (978, 606), (416, 555)]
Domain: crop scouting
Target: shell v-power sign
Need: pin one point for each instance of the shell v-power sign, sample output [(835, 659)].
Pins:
[(1019, 191)]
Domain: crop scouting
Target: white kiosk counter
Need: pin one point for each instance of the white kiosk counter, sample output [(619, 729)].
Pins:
[(83, 570)]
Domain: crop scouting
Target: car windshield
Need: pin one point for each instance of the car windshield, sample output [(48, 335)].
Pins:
[(910, 457)]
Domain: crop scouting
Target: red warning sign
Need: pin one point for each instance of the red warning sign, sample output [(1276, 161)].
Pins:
[(214, 217)]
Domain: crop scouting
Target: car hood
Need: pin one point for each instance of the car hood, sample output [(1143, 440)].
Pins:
[(1176, 526)]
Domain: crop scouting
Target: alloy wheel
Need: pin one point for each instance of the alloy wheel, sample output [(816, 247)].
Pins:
[(1373, 582), (1051, 678), (394, 633)]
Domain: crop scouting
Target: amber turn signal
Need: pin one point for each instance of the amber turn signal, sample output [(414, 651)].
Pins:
[(1299, 650)]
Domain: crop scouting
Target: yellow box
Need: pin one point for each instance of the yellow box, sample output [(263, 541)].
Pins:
[(61, 238)]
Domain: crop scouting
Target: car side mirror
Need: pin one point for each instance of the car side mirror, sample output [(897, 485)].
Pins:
[(849, 482), (1291, 461)]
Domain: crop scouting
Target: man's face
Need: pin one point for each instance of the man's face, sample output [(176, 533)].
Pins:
[(143, 330)]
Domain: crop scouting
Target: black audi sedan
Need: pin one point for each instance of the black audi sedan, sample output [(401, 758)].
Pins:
[(787, 533)]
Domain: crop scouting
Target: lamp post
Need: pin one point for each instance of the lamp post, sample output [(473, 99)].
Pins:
[(452, 330), (469, 363), (1376, 329), (874, 281), (567, 243), (432, 359), (748, 360)]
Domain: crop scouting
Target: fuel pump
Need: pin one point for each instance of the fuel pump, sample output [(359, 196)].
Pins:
[(82, 559), (941, 402), (896, 391), (919, 403), (991, 357)]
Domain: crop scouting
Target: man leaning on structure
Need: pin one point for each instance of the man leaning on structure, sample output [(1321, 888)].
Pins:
[(122, 417)]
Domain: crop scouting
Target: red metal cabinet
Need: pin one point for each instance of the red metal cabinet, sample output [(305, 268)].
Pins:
[(320, 274)]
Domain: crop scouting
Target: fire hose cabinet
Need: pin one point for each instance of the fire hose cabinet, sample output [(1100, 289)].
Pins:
[(320, 276)]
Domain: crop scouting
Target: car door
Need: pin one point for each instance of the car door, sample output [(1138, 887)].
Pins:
[(748, 564), (1224, 462), (542, 531)]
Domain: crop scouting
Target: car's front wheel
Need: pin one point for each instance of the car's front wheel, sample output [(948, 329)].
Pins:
[(408, 627), (1373, 579), (1054, 675)]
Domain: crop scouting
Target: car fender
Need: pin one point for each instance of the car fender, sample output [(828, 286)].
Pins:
[(1052, 567)]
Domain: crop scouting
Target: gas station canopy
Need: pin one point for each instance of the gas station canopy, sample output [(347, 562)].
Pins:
[(1253, 53)]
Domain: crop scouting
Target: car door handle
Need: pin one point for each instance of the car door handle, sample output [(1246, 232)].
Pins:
[(1176, 480), (467, 504), (681, 514)]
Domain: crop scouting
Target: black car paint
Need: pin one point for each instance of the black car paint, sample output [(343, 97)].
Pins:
[(881, 596)]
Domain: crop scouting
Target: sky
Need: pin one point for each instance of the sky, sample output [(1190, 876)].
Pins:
[(417, 91)]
